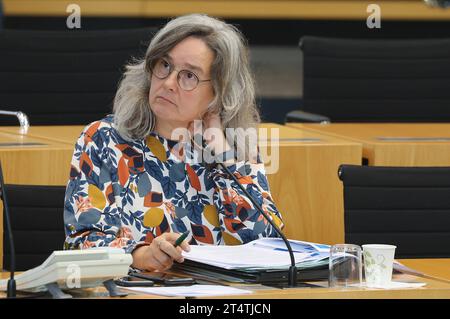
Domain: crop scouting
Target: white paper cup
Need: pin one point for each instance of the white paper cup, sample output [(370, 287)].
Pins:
[(378, 261)]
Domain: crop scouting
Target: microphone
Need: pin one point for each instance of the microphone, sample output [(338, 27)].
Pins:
[(443, 4), (11, 289), (292, 273)]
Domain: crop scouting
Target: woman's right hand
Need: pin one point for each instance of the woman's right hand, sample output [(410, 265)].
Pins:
[(160, 254)]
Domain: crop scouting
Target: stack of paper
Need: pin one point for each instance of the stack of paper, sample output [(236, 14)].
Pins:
[(265, 253), (396, 285), (191, 291)]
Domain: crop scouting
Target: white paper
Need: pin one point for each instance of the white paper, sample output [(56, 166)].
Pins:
[(398, 285), (262, 253), (190, 291), (297, 245), (232, 257)]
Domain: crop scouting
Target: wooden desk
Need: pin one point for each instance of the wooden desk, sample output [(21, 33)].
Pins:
[(34, 161), (439, 267), (394, 144), (253, 9), (434, 288), (67, 134), (306, 188)]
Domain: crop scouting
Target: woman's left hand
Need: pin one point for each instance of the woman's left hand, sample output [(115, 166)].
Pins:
[(212, 130)]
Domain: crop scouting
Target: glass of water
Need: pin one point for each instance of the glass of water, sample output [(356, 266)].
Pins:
[(345, 266)]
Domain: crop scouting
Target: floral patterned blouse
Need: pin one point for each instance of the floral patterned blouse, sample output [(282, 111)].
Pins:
[(124, 194)]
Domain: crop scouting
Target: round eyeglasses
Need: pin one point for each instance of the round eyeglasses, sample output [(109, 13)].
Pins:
[(187, 80)]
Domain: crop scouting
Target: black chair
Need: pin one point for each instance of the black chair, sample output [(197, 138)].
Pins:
[(356, 80), (64, 77), (37, 224), (405, 206)]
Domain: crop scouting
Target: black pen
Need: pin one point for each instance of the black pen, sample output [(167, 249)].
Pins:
[(181, 238)]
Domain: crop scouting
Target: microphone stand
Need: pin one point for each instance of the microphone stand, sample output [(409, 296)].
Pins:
[(11, 289), (292, 273)]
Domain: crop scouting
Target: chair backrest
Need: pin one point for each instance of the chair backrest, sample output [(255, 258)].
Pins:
[(356, 80), (65, 77), (36, 222), (405, 206)]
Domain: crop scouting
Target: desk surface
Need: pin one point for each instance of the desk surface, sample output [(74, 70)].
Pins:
[(287, 135), (67, 134), (394, 144), (439, 267), (269, 9), (433, 289), (14, 142), (379, 132)]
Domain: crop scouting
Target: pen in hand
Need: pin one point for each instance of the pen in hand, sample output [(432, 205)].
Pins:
[(181, 238)]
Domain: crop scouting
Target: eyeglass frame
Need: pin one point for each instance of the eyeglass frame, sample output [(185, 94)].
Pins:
[(172, 69)]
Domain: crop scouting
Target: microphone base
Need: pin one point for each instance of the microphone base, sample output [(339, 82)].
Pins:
[(292, 276), (11, 289)]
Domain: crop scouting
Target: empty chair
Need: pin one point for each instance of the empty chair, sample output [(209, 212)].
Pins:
[(36, 222), (355, 80), (405, 206), (64, 77)]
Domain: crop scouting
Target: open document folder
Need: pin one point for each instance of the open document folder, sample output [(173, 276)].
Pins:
[(264, 259)]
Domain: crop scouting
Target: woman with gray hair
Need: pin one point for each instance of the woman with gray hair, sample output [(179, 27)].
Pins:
[(137, 183)]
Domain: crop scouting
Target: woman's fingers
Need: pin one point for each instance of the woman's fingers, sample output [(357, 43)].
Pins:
[(163, 252), (172, 238), (153, 262), (163, 259), (159, 259), (184, 246), (166, 245), (171, 251)]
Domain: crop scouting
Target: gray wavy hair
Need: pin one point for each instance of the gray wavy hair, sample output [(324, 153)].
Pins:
[(232, 81)]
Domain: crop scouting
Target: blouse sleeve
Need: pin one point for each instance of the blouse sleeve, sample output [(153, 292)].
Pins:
[(91, 215), (240, 221)]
